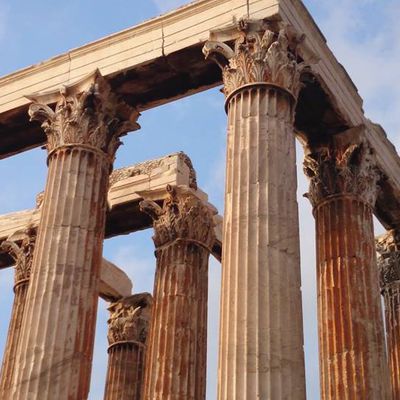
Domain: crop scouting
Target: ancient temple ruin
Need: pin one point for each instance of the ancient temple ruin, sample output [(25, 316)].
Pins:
[(280, 82)]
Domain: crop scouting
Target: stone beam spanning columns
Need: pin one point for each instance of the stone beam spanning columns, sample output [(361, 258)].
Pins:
[(57, 332), (343, 190), (261, 332), (127, 333), (388, 248), (177, 344), (23, 256)]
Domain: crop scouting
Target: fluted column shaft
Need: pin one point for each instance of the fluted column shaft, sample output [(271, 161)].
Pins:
[(57, 333), (261, 337), (261, 333), (177, 344), (343, 189), (125, 371), (389, 271), (351, 344), (14, 331), (392, 314), (22, 255), (128, 328), (58, 330)]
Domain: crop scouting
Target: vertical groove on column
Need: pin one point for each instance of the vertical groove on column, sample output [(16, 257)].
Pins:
[(13, 338), (261, 336), (124, 373), (176, 356), (392, 313), (66, 264), (352, 355), (388, 247)]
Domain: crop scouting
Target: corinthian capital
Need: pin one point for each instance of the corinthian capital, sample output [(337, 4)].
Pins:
[(182, 217), (262, 53), (129, 319), (388, 248), (22, 252), (86, 113), (341, 168)]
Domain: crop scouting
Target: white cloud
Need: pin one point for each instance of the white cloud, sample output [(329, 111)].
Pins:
[(369, 50)]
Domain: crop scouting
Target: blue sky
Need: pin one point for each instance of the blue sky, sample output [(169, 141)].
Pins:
[(363, 35)]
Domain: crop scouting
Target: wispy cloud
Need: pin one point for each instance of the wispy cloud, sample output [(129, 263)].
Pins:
[(138, 265), (370, 52)]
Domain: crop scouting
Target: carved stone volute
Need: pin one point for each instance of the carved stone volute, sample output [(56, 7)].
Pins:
[(339, 170), (129, 319), (388, 248), (183, 217), (263, 53), (22, 253), (88, 114)]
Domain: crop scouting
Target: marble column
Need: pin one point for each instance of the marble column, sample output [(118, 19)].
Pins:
[(177, 344), (388, 248), (261, 330), (21, 250), (343, 189), (57, 332), (127, 333)]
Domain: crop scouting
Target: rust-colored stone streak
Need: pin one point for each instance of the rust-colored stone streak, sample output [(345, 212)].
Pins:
[(343, 190), (261, 336), (392, 313), (389, 269), (23, 258), (58, 327), (352, 352), (128, 328), (14, 331), (124, 372), (57, 341), (177, 347)]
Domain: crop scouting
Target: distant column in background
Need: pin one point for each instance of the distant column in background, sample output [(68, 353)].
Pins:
[(21, 250), (343, 190), (389, 274), (177, 345), (261, 331), (127, 333), (57, 334)]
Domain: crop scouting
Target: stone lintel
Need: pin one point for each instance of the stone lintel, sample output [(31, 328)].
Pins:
[(180, 35), (123, 199), (114, 282)]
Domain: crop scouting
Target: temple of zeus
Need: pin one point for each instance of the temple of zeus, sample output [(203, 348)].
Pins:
[(280, 82)]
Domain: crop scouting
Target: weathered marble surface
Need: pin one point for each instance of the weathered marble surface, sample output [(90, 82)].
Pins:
[(343, 189), (177, 343), (127, 337)]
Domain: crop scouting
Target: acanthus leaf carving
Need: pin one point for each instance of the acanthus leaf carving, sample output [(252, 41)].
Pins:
[(22, 253), (182, 217), (96, 117), (261, 54), (129, 319), (334, 170), (388, 248)]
